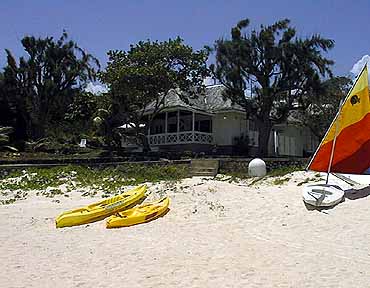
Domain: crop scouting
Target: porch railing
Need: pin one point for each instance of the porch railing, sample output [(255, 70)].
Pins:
[(181, 138)]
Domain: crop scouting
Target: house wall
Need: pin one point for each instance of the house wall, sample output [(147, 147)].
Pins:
[(295, 141), (227, 126), (311, 142)]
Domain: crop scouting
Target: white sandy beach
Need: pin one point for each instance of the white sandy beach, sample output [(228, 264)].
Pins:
[(217, 234)]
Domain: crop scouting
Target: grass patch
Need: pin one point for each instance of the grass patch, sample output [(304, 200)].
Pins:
[(19, 195), (81, 153), (236, 176), (280, 181), (232, 176), (7, 201), (308, 179), (107, 179), (284, 171), (304, 181), (258, 179)]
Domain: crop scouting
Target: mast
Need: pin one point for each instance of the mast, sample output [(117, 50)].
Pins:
[(334, 141)]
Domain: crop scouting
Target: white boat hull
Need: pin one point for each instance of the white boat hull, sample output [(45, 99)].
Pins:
[(358, 179), (322, 195)]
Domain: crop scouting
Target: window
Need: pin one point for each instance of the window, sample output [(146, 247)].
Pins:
[(203, 126), (159, 129), (172, 122), (186, 120)]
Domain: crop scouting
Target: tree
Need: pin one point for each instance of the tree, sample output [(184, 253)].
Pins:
[(5, 109), (278, 68), (42, 85), (81, 111), (4, 139), (324, 106), (144, 75), (8, 115)]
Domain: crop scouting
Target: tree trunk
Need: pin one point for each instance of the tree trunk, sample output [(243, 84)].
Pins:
[(144, 142), (20, 128), (108, 134), (36, 130), (142, 134), (264, 130), (38, 121)]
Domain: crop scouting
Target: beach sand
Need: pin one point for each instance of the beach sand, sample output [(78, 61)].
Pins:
[(217, 234)]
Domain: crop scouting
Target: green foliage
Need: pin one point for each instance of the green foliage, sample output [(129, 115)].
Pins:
[(82, 108), (40, 87), (139, 79), (7, 111), (8, 201), (308, 179), (324, 106), (280, 181), (235, 175), (79, 118), (108, 180), (59, 143), (277, 66), (4, 139), (280, 172), (242, 145)]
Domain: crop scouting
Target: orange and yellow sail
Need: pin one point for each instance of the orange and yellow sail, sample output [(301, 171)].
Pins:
[(351, 127)]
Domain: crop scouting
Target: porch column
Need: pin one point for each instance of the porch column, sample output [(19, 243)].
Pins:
[(276, 142), (178, 125), (193, 128), (148, 133), (165, 127)]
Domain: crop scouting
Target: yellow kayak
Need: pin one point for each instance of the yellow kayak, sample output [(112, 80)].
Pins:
[(100, 210), (139, 214)]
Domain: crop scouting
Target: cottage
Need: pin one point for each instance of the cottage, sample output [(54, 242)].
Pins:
[(211, 124)]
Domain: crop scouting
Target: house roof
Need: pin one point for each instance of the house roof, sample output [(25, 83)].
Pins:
[(211, 101)]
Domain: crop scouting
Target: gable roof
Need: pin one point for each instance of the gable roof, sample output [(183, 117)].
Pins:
[(211, 101)]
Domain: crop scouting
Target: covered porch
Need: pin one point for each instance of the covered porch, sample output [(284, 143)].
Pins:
[(180, 127)]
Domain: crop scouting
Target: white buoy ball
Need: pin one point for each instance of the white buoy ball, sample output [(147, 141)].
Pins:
[(257, 168)]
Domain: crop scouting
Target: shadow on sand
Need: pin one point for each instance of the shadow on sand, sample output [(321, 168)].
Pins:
[(321, 209), (354, 194)]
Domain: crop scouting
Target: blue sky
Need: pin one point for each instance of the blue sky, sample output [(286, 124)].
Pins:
[(99, 26)]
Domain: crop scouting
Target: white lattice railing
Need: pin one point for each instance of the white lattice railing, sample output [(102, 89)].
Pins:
[(181, 138)]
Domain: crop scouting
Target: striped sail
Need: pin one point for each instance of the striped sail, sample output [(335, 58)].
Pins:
[(351, 126)]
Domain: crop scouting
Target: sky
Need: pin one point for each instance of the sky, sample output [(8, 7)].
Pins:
[(99, 26)]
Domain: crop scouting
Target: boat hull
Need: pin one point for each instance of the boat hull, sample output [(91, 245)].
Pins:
[(100, 210), (322, 195), (139, 214)]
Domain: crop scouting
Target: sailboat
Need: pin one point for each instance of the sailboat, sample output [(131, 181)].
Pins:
[(345, 148)]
